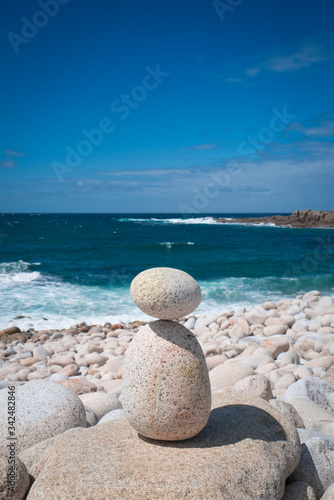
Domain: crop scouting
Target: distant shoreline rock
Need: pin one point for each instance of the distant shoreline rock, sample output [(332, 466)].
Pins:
[(300, 218)]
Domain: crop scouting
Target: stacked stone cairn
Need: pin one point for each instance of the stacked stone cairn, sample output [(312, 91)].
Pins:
[(166, 388)]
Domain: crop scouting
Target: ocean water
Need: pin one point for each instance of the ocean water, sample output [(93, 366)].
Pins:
[(57, 270)]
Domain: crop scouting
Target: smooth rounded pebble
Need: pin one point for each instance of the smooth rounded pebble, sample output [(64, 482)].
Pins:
[(227, 374), (100, 402), (43, 409), (245, 452), (166, 391), (255, 385), (112, 415), (13, 483), (165, 293)]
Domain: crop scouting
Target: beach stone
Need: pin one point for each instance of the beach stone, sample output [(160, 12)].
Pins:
[(269, 305), (271, 330), (91, 417), (276, 345), (165, 293), (78, 385), (190, 323), (255, 319), (112, 415), (43, 406), (329, 493), (228, 374), (289, 411), (100, 402), (254, 386), (284, 382), (112, 386), (239, 330), (95, 358), (206, 320), (323, 362), (213, 361), (246, 451), (317, 390), (58, 377), (14, 477), (30, 455), (306, 434), (329, 376), (289, 357), (316, 466), (61, 360), (314, 416), (166, 390), (69, 370), (299, 491)]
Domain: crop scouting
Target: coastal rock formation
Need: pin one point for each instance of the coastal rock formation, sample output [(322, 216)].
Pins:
[(166, 391), (246, 451), (299, 218), (42, 410), (165, 293)]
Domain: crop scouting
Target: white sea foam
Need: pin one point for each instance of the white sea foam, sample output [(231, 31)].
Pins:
[(170, 244), (193, 220), (47, 302)]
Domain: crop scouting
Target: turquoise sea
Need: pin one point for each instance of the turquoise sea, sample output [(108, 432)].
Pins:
[(60, 269)]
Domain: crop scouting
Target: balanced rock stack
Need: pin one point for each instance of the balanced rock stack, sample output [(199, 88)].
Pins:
[(166, 389)]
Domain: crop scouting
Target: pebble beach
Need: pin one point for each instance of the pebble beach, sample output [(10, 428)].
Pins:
[(277, 358)]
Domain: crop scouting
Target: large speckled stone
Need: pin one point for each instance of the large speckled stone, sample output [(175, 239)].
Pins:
[(14, 483), (316, 466), (43, 409), (165, 293), (166, 390), (245, 452)]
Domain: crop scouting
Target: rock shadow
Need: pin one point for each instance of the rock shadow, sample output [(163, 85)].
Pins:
[(178, 335), (228, 425)]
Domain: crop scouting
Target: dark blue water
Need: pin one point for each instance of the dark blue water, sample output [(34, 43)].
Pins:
[(74, 267)]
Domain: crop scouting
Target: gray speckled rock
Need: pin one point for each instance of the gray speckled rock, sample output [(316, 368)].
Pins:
[(14, 486), (316, 466), (43, 409), (299, 491), (166, 390), (312, 388), (288, 410), (112, 415), (315, 418), (165, 293), (245, 452), (306, 434), (329, 493)]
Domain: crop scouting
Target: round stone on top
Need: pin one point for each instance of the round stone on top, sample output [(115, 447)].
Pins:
[(165, 293)]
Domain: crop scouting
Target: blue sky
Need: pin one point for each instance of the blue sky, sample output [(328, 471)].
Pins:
[(192, 106)]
